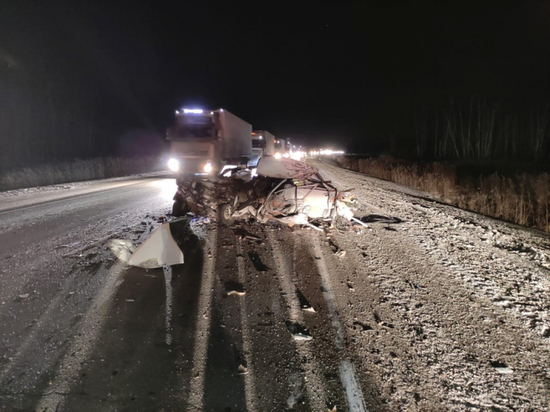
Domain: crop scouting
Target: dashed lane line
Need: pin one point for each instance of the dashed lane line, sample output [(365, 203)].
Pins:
[(169, 297), (354, 395)]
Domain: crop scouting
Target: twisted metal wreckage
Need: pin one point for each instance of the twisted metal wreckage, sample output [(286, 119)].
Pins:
[(284, 190)]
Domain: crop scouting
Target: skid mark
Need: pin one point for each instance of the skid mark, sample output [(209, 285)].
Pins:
[(202, 329), (83, 344), (250, 391), (314, 386)]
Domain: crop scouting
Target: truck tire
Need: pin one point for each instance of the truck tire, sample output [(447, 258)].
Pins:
[(180, 207), (225, 213)]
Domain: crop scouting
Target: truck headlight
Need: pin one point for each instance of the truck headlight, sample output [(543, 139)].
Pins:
[(277, 155), (174, 165), (208, 167)]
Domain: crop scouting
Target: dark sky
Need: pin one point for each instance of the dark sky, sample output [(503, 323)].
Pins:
[(319, 72)]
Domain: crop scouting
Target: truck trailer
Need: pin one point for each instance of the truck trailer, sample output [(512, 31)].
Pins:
[(280, 147), (263, 144), (202, 142)]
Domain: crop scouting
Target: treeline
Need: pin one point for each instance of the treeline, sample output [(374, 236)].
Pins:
[(39, 124), (519, 197), (48, 119), (473, 130)]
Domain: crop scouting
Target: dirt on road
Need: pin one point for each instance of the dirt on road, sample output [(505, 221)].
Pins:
[(428, 308)]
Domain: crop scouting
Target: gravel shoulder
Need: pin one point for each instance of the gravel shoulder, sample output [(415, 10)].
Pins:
[(449, 309)]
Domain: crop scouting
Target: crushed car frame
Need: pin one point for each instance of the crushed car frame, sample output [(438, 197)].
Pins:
[(286, 190)]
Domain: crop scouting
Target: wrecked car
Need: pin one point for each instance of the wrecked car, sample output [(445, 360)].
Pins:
[(286, 190)]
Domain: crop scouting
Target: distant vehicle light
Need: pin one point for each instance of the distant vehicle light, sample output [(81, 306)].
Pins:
[(277, 156), (208, 167), (174, 165), (192, 111), (177, 112)]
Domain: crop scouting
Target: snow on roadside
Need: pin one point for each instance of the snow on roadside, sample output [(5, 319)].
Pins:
[(509, 264), (460, 302), (72, 185)]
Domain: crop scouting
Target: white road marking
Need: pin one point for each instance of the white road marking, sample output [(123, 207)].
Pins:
[(314, 386), (354, 395), (82, 345), (168, 286), (249, 387), (202, 328), (353, 389)]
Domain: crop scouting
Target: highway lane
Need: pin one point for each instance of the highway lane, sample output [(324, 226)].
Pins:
[(405, 314)]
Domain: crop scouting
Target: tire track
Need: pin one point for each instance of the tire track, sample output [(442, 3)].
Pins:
[(250, 389), (284, 268), (69, 367), (202, 334)]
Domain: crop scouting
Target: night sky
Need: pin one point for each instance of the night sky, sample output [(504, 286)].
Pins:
[(329, 72)]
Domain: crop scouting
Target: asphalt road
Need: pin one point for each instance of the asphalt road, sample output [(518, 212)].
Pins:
[(427, 308)]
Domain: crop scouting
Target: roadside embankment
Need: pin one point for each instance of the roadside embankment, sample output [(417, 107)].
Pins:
[(515, 196), (76, 171)]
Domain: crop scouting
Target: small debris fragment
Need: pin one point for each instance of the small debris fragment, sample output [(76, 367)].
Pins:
[(299, 333), (129, 300), (241, 370), (244, 234), (504, 370), (363, 326), (304, 303), (23, 296), (257, 262), (501, 367), (234, 288)]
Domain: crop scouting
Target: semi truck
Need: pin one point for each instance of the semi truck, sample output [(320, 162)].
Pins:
[(263, 144), (203, 142), (280, 147)]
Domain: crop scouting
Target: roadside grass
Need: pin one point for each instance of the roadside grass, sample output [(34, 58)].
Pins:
[(76, 171), (520, 197)]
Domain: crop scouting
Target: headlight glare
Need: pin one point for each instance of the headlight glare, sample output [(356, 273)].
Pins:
[(174, 165)]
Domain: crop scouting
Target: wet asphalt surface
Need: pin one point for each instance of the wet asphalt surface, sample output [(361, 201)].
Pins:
[(82, 331), (258, 318)]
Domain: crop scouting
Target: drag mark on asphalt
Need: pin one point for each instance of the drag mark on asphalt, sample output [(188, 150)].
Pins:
[(82, 345), (52, 310), (202, 330), (168, 285), (249, 386), (354, 395), (314, 386)]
